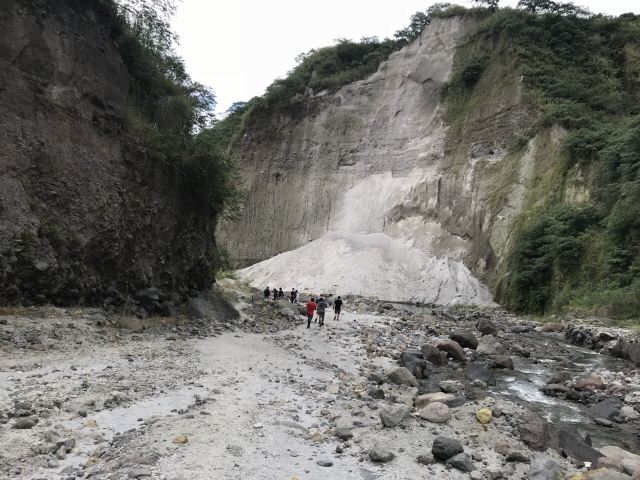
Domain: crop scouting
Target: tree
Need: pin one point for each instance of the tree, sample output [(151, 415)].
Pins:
[(549, 6), (417, 23), (491, 4)]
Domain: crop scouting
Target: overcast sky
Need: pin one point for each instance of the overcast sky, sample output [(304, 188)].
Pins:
[(238, 47)]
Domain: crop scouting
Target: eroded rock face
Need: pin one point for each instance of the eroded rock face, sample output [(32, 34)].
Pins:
[(368, 165), (84, 216)]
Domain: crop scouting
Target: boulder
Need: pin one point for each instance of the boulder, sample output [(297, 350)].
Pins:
[(402, 376), (552, 327), (592, 382), (445, 447), (461, 461), (501, 361), (434, 356), (435, 412), (428, 398), (556, 389), (486, 327), (393, 416), (24, 423), (478, 372), (534, 431), (484, 415), (380, 455), (465, 339), (451, 386), (343, 433), (609, 409), (544, 468), (453, 349), (414, 361), (488, 345)]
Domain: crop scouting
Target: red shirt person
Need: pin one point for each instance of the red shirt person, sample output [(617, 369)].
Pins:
[(311, 308)]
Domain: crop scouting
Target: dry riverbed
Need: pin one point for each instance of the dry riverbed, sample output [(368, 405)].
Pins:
[(82, 398)]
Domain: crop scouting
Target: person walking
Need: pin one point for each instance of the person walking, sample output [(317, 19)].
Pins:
[(297, 298), (292, 297), (311, 308), (267, 292), (337, 308), (275, 293), (322, 308), (280, 293)]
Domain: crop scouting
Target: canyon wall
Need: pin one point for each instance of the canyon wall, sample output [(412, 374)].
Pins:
[(85, 217), (379, 173)]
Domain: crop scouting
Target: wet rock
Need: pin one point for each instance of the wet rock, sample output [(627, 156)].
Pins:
[(465, 339), (435, 412), (454, 350), (414, 361), (488, 345), (534, 431), (544, 468), (609, 409), (486, 327), (392, 417), (556, 389), (462, 462), (445, 447), (501, 361), (24, 423), (380, 455), (402, 376), (434, 356), (478, 372), (591, 382)]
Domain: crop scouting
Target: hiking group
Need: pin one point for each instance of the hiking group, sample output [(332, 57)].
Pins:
[(320, 308), (313, 308)]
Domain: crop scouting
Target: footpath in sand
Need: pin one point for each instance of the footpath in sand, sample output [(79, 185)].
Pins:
[(295, 403)]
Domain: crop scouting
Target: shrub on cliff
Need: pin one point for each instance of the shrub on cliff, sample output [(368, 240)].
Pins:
[(168, 111)]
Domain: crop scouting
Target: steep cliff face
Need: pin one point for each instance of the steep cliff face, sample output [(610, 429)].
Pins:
[(83, 215), (380, 159)]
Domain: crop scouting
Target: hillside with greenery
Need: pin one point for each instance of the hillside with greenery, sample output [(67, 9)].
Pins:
[(583, 72)]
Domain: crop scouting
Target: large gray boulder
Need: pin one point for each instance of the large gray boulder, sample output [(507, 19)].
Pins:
[(392, 417), (402, 376), (446, 447), (488, 345)]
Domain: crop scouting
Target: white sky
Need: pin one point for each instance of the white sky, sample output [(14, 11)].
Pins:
[(238, 47)]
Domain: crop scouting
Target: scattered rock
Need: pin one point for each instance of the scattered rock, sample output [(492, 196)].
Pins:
[(434, 356), (435, 412), (484, 415), (501, 361), (446, 447), (478, 372), (344, 433), (451, 386), (24, 423), (402, 376), (380, 455), (425, 459), (454, 350), (181, 439), (544, 468), (393, 416), (552, 327), (516, 456), (324, 462), (461, 461), (428, 398), (488, 345), (591, 382), (465, 339), (414, 361), (486, 327)]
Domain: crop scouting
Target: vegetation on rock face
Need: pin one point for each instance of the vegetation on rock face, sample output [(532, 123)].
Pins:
[(584, 71), (168, 112)]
